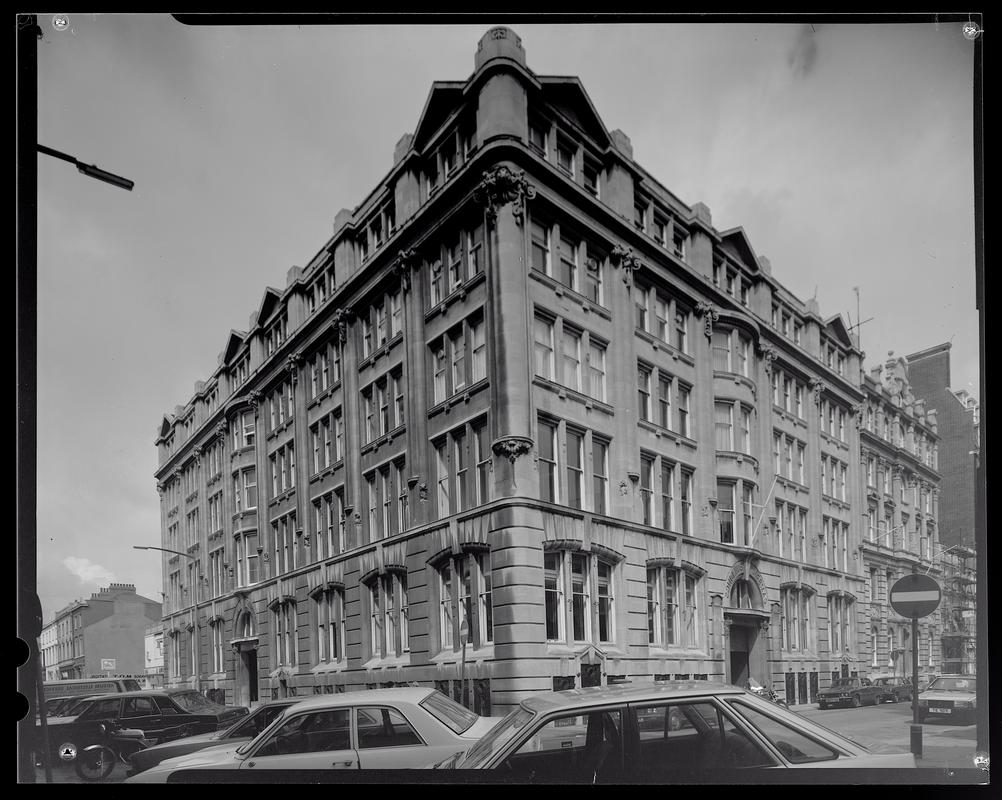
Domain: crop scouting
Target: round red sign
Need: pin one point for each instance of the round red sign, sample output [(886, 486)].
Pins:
[(915, 596)]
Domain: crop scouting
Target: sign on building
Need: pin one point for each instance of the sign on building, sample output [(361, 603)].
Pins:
[(108, 664)]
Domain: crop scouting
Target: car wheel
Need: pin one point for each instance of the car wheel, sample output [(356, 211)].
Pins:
[(856, 702), (823, 706)]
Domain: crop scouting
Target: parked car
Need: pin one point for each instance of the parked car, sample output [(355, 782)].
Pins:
[(853, 692), (398, 728), (160, 714), (950, 696), (893, 689), (239, 732), (656, 733), (58, 706)]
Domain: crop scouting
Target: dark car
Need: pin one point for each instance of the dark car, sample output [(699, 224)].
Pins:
[(59, 706), (893, 689), (161, 714), (853, 692), (242, 730)]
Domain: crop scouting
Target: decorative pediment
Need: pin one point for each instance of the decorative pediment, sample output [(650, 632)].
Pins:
[(233, 344), (838, 330), (737, 244), (568, 96), (443, 98), (270, 301)]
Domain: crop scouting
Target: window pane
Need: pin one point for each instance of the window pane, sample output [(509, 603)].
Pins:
[(384, 727)]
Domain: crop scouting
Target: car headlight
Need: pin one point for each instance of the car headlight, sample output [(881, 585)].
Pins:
[(923, 703)]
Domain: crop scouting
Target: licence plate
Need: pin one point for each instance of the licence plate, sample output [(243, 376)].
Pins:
[(940, 710)]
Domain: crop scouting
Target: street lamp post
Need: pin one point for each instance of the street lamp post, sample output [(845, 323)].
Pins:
[(163, 549), (90, 170)]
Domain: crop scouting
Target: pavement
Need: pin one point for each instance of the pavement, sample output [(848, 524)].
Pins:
[(944, 745)]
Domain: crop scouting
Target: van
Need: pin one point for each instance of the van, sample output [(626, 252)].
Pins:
[(90, 686)]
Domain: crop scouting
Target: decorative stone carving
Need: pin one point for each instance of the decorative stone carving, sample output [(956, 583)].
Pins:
[(624, 257), (768, 353), (502, 185), (423, 492), (254, 397), (401, 267), (221, 430), (196, 454), (292, 364), (342, 317), (709, 315), (161, 489), (511, 447), (818, 386), (857, 412), (624, 488)]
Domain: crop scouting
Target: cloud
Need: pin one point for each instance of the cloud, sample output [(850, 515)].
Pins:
[(804, 53), (87, 571)]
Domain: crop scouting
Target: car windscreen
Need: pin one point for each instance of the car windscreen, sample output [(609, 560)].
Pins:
[(448, 712), (496, 738), (844, 682), (255, 722), (952, 685), (193, 701)]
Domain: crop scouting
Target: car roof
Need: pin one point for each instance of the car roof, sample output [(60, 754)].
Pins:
[(627, 693), (406, 693)]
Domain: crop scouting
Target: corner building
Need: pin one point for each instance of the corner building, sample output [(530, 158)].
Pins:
[(526, 393)]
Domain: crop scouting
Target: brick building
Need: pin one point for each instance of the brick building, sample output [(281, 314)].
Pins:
[(111, 623), (524, 386), (959, 417)]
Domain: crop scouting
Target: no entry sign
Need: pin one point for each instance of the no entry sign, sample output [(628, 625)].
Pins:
[(915, 596)]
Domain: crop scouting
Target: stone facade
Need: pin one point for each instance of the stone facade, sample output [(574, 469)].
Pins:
[(526, 388), (899, 456)]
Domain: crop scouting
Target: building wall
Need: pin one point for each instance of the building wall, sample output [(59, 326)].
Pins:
[(959, 443), (750, 346)]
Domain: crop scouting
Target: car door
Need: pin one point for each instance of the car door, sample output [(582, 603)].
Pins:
[(580, 746), (142, 713), (318, 739), (385, 739), (175, 722), (868, 692), (691, 737)]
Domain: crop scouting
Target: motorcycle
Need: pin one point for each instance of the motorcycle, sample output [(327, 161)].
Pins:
[(97, 761), (765, 692)]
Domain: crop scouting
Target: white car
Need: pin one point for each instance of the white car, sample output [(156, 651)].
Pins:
[(659, 733), (401, 728), (951, 696)]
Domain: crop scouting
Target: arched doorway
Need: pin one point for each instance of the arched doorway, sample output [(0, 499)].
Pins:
[(245, 644), (746, 625)]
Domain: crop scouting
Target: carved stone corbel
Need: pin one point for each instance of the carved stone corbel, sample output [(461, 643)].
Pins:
[(709, 315), (502, 185), (511, 447), (254, 397), (768, 354), (625, 258), (402, 266), (342, 317), (221, 430), (292, 364), (818, 386)]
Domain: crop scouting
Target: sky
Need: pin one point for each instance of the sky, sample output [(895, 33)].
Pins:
[(844, 151)]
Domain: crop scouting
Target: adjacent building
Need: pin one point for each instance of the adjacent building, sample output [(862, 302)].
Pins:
[(529, 412), (959, 417), (153, 648), (899, 453), (101, 634)]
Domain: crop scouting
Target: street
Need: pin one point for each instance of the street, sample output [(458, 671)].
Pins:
[(943, 744)]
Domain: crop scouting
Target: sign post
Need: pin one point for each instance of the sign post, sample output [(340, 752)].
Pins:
[(915, 596), (464, 634)]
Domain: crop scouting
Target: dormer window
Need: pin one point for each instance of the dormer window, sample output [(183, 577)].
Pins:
[(448, 156), (660, 230), (640, 216), (678, 242), (363, 250), (537, 139), (589, 174), (565, 157), (376, 229)]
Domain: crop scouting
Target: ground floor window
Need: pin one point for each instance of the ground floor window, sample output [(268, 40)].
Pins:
[(284, 639), (329, 619), (672, 607), (465, 592), (796, 610), (587, 582)]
